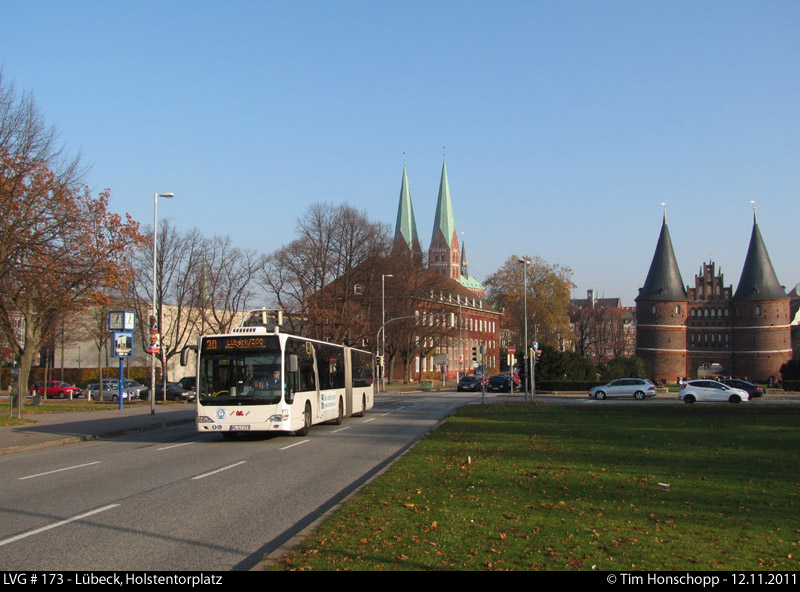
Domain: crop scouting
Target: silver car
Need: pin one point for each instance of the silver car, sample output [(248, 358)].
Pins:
[(638, 388), (711, 390), (130, 390)]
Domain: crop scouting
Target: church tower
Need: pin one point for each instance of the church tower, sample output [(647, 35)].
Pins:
[(444, 255), (406, 241), (661, 313), (761, 315)]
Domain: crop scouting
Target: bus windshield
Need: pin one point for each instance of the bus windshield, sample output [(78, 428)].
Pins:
[(238, 377)]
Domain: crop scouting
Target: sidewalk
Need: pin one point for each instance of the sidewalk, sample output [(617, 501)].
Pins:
[(53, 429)]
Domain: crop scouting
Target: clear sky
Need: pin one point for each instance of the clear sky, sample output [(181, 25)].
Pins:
[(565, 123)]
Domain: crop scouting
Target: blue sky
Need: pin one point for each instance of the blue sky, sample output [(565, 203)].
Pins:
[(565, 124)]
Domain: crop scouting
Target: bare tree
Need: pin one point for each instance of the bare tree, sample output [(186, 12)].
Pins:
[(315, 278), (225, 283), (179, 259)]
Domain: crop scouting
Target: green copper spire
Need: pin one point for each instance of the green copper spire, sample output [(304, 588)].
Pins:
[(444, 221), (405, 230)]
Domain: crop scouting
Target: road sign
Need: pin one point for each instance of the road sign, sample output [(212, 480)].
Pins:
[(512, 350)]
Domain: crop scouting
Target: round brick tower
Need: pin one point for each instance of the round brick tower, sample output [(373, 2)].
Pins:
[(661, 312), (761, 316)]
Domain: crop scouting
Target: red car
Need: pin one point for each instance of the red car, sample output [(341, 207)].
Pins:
[(55, 389)]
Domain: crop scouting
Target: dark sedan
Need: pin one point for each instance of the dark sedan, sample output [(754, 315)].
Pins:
[(469, 383), (174, 393), (753, 390), (500, 383)]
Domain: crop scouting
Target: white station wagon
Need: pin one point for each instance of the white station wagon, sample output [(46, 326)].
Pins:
[(638, 388)]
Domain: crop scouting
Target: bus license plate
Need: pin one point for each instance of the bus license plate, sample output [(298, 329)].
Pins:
[(239, 428)]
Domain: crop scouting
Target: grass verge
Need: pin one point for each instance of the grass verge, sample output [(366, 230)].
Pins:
[(52, 407), (613, 487)]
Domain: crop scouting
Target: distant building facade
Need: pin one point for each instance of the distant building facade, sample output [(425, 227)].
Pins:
[(708, 328), (603, 328)]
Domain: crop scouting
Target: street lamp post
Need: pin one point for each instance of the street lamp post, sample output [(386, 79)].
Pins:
[(525, 263), (383, 321), (155, 302)]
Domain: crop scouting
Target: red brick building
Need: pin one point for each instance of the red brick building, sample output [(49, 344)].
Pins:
[(709, 328)]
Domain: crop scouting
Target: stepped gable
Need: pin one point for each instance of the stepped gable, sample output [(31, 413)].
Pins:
[(758, 281), (664, 280)]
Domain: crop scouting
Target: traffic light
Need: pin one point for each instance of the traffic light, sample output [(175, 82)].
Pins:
[(474, 354)]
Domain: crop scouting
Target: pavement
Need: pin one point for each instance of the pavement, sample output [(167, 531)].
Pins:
[(54, 429)]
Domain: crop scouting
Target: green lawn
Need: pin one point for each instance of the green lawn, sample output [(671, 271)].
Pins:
[(8, 416), (607, 487)]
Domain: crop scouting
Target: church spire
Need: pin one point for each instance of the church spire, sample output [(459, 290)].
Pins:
[(405, 230), (444, 255), (444, 221), (464, 267)]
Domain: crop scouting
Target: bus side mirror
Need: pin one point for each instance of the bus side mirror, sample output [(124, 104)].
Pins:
[(185, 353)]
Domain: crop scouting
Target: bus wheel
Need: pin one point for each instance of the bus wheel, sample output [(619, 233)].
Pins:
[(306, 421), (363, 406), (338, 420)]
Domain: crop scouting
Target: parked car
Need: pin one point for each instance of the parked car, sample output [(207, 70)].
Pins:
[(108, 394), (55, 389), (753, 390), (130, 390), (500, 383), (174, 393), (188, 383), (638, 388), (710, 390), (470, 383)]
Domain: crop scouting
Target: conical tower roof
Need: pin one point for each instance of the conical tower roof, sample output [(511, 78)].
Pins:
[(664, 280), (758, 281), (444, 220), (406, 227)]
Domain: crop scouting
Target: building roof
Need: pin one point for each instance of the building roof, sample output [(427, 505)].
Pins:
[(445, 220), (758, 281), (406, 226), (664, 280), (470, 282)]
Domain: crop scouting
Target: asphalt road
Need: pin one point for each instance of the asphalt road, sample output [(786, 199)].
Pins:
[(172, 499)]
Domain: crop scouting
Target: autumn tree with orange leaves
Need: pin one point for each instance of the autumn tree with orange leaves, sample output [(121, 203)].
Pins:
[(61, 250)]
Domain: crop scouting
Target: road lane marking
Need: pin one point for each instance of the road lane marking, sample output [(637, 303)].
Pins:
[(368, 420), (97, 462), (174, 446), (293, 445), (241, 462), (340, 429), (56, 525)]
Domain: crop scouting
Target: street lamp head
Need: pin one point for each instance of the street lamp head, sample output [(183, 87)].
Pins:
[(167, 195)]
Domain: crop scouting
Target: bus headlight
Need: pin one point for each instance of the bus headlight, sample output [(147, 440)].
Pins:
[(204, 419)]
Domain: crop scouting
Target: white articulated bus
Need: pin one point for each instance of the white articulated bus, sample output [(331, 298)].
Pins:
[(257, 379)]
